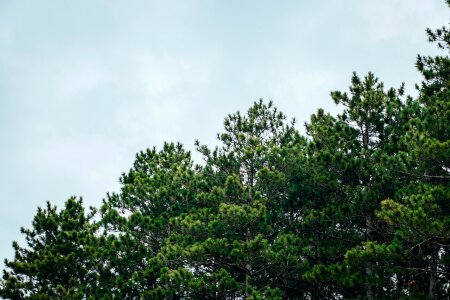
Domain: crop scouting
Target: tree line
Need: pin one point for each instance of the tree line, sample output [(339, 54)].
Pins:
[(358, 208)]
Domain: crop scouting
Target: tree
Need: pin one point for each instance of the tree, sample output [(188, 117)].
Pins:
[(412, 255), (357, 209), (161, 185), (420, 218), (351, 153), (57, 261), (235, 239)]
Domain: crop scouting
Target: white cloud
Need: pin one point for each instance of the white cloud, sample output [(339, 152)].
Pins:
[(386, 20)]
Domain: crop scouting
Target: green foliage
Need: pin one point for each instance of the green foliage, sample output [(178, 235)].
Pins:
[(136, 221), (57, 261), (357, 209)]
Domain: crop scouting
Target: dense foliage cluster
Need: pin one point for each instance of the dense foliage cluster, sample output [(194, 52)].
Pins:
[(359, 208)]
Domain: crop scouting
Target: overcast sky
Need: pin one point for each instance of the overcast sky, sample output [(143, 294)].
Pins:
[(84, 85)]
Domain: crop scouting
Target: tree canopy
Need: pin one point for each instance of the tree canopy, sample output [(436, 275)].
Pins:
[(358, 208)]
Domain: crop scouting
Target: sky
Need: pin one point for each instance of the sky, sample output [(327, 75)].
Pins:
[(84, 85)]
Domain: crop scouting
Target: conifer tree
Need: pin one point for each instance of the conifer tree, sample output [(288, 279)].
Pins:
[(357, 209), (161, 185), (351, 152), (419, 218), (233, 238), (57, 261)]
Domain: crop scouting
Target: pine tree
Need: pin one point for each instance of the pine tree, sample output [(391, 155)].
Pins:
[(420, 218), (57, 261), (357, 209), (352, 153), (161, 185), (234, 241)]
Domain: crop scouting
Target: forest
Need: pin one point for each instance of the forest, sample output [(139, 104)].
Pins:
[(356, 208)]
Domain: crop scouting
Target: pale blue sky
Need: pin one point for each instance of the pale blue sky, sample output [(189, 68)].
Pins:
[(84, 85)]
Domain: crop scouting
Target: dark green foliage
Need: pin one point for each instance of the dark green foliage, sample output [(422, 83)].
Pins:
[(57, 262), (357, 209), (240, 230), (136, 221)]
